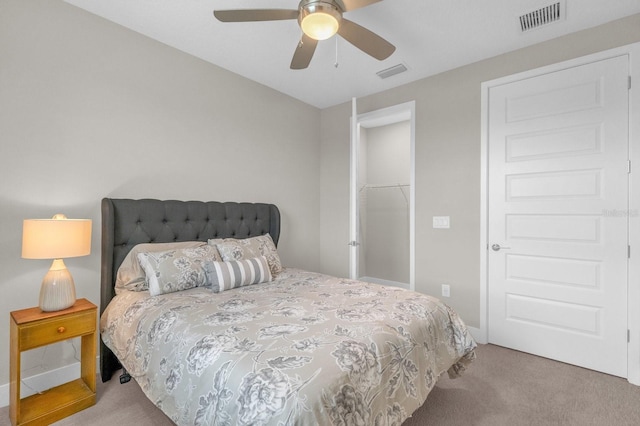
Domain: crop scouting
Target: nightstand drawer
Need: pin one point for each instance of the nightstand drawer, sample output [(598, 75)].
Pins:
[(52, 330)]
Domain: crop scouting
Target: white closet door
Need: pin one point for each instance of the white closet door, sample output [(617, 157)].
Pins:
[(558, 205)]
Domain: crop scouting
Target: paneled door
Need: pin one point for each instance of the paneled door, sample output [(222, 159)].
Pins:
[(558, 215)]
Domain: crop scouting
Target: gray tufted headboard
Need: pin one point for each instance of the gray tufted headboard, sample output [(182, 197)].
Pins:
[(126, 223)]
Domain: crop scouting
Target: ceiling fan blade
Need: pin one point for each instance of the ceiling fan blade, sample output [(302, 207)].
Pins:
[(355, 4), (252, 15), (304, 52), (365, 40)]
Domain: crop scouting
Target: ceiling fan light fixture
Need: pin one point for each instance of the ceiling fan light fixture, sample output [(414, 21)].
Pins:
[(319, 20)]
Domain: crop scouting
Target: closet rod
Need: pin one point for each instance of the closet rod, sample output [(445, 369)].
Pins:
[(397, 185), (394, 185)]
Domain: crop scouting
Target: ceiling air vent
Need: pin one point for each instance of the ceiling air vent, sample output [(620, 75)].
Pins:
[(396, 69), (543, 16)]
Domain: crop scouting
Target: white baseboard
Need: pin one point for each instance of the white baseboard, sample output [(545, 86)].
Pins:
[(477, 335), (4, 395), (43, 381), (384, 282)]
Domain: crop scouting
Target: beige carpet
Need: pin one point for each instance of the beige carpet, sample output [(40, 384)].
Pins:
[(503, 387)]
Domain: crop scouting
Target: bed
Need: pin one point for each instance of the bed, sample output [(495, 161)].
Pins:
[(276, 346)]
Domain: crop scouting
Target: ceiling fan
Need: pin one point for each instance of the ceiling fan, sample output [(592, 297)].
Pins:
[(319, 20)]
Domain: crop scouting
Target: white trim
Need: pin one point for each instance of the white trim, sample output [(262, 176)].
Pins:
[(633, 297), (384, 282), (353, 190), (476, 333), (412, 199), (633, 310), (45, 380), (484, 210), (394, 114)]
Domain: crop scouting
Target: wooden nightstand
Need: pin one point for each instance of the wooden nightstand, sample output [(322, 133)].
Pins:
[(32, 328)]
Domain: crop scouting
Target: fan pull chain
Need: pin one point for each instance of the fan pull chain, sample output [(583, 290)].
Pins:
[(336, 63)]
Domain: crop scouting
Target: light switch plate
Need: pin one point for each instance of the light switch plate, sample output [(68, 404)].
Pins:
[(446, 290), (441, 222)]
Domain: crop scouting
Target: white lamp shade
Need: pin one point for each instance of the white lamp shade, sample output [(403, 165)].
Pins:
[(56, 238)]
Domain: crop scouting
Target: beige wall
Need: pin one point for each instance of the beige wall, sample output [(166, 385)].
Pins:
[(447, 162), (89, 109)]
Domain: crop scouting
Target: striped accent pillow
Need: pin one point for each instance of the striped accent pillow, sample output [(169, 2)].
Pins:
[(238, 273)]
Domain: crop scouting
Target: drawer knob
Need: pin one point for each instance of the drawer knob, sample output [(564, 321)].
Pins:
[(61, 329)]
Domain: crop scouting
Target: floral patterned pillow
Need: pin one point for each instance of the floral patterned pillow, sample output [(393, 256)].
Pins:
[(247, 248), (176, 270), (130, 274)]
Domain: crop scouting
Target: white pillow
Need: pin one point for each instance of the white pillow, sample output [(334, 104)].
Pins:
[(237, 273)]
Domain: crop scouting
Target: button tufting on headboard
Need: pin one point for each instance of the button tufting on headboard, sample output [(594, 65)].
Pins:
[(126, 223)]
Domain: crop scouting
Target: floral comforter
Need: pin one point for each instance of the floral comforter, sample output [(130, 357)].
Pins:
[(304, 349)]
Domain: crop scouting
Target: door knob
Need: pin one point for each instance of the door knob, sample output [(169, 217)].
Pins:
[(496, 247)]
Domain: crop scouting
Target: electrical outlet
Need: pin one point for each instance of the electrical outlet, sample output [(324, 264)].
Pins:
[(446, 290)]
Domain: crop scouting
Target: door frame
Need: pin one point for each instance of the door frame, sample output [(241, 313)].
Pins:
[(381, 117), (633, 284)]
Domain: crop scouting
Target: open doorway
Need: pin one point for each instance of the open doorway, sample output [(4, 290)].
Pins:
[(382, 191)]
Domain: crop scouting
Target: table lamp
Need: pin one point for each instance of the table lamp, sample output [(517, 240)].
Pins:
[(56, 239)]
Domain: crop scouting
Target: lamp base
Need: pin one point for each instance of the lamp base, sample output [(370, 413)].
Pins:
[(58, 290)]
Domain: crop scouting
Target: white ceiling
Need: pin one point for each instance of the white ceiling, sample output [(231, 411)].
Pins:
[(431, 36)]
